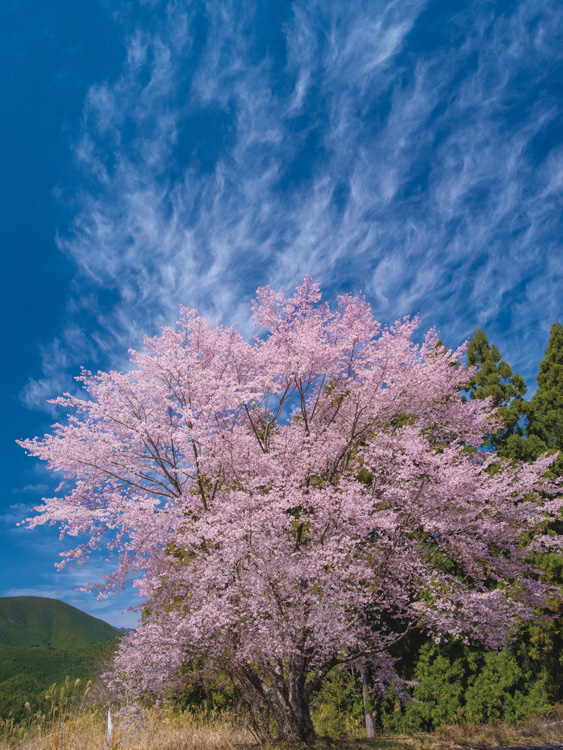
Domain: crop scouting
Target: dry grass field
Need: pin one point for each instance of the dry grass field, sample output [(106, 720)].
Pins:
[(192, 731), (157, 731)]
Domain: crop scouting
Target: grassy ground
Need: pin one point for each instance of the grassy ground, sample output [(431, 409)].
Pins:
[(157, 731), (165, 731)]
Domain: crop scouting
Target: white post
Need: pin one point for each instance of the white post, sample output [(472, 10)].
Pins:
[(370, 724), (109, 735)]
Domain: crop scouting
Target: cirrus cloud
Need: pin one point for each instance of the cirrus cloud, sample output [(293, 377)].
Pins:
[(406, 149)]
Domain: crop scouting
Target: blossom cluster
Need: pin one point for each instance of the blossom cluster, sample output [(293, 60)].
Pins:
[(297, 501)]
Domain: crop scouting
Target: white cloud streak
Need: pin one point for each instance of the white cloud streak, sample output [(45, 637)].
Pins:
[(339, 141)]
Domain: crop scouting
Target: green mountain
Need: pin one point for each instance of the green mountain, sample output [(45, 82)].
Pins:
[(34, 621), (43, 641)]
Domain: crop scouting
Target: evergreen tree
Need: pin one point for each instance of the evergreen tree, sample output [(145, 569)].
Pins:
[(495, 379), (541, 425), (545, 434), (545, 415)]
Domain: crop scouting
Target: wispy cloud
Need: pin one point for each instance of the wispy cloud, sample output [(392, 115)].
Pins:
[(380, 146), (14, 514)]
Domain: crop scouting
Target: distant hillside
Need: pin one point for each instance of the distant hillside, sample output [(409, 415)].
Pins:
[(34, 621), (42, 641), (27, 672)]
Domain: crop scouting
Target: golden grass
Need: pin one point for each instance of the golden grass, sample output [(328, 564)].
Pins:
[(543, 729), (163, 730), (159, 730)]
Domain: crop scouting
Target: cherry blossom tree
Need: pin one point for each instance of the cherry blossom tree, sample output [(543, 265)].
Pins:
[(294, 503)]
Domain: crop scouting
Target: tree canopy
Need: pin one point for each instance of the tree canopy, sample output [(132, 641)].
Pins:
[(295, 502)]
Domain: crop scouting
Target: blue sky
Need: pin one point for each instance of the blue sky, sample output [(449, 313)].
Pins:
[(163, 152)]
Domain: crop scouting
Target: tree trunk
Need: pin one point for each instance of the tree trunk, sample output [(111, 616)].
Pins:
[(281, 698), (294, 721)]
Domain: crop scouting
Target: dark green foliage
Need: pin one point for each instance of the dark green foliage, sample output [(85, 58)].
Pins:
[(505, 688), (546, 420), (494, 379), (459, 683), (529, 429), (545, 416), (35, 621), (448, 683), (540, 428)]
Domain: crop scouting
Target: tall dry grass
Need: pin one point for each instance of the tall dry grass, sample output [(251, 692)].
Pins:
[(545, 728), (158, 730), (211, 730)]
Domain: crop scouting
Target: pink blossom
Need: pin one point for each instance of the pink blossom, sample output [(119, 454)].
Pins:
[(294, 503)]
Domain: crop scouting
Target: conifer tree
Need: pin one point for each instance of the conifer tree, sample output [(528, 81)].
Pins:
[(495, 379), (540, 426), (545, 415)]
